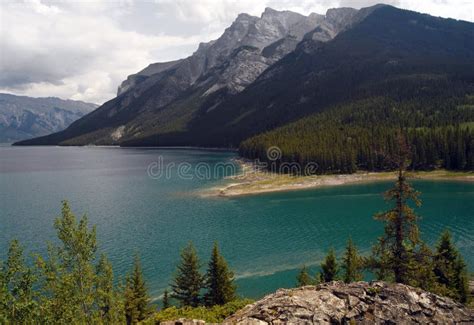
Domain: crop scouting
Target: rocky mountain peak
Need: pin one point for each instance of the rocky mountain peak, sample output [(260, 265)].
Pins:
[(275, 33), (269, 11), (244, 17), (340, 17)]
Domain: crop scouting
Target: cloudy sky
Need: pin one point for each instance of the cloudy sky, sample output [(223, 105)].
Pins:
[(83, 49)]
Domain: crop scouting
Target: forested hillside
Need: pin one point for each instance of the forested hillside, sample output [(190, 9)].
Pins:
[(363, 135)]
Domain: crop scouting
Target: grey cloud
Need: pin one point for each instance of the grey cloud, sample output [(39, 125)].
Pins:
[(20, 67)]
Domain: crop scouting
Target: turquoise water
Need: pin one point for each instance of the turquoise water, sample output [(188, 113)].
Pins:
[(265, 238)]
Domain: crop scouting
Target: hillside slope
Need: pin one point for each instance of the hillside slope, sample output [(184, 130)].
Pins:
[(393, 53), (364, 135)]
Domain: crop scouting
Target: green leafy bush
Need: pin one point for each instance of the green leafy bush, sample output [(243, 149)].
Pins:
[(213, 314)]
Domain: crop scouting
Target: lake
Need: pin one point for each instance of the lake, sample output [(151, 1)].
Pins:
[(265, 238)]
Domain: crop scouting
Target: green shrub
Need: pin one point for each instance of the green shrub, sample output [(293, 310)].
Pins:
[(213, 314)]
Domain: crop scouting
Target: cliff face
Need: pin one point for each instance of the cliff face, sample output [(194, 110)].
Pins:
[(360, 302), (140, 76)]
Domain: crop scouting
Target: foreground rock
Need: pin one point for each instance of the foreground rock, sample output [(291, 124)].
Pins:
[(360, 303)]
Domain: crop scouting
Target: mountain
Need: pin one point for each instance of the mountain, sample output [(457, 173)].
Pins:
[(165, 97), (391, 53), (265, 72), (24, 117)]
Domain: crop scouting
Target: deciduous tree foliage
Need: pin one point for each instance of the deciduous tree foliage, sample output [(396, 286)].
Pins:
[(68, 272), (18, 303), (109, 302)]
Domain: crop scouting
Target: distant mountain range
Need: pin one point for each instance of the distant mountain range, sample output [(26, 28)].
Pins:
[(24, 117), (265, 72)]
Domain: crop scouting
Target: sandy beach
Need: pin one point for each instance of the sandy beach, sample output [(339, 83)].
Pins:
[(254, 181)]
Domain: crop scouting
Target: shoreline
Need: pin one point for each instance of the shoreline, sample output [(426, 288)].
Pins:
[(217, 149), (252, 181)]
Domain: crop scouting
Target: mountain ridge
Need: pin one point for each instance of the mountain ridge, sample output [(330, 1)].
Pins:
[(377, 47), (211, 70), (23, 117)]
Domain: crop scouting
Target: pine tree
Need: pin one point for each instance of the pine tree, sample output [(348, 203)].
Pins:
[(401, 231), (188, 281), (450, 268), (303, 278), (136, 297), (329, 268), (352, 263), (219, 280), (166, 300)]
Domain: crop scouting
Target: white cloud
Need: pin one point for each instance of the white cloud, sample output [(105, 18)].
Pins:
[(84, 49), (48, 51), (458, 9)]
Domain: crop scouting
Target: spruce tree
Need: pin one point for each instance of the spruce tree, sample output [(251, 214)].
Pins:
[(450, 268), (329, 268), (392, 253), (136, 297), (422, 271), (352, 263), (166, 299), (219, 280), (303, 278), (188, 280)]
